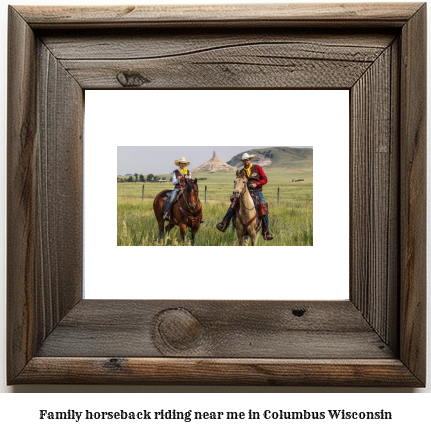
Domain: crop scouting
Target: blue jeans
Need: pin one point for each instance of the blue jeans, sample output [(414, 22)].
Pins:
[(258, 194), (174, 193)]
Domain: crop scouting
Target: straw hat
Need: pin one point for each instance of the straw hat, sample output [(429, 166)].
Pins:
[(246, 156), (182, 160)]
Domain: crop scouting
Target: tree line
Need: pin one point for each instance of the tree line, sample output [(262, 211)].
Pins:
[(141, 178)]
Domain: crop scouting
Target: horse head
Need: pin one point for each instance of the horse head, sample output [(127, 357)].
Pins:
[(240, 184), (192, 192)]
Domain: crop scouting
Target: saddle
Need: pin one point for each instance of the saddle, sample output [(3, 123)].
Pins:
[(166, 194)]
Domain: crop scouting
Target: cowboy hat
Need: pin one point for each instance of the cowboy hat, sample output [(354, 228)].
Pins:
[(246, 156), (182, 160)]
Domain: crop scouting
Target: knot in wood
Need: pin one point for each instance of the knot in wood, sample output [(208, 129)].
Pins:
[(115, 363), (178, 329), (131, 79), (298, 312)]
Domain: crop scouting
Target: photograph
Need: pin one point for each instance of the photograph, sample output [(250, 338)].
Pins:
[(248, 196)]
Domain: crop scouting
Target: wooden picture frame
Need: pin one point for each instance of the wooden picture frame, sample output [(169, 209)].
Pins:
[(376, 338)]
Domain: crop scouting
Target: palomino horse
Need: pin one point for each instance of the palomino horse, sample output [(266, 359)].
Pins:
[(246, 215), (185, 212)]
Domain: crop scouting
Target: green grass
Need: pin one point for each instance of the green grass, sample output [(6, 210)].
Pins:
[(291, 221)]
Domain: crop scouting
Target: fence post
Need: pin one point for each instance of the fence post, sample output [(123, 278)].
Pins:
[(205, 194), (278, 196), (143, 191)]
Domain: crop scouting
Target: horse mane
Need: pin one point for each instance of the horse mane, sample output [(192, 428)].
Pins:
[(190, 186)]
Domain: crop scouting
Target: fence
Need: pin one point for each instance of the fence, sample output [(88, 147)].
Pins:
[(206, 194)]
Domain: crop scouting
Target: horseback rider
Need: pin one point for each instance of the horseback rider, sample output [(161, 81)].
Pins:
[(256, 179), (180, 178)]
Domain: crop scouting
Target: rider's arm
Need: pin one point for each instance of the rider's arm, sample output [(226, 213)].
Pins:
[(174, 179), (263, 178)]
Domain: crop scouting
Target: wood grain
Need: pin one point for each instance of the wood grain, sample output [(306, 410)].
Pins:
[(262, 66), (374, 194), (59, 244), (219, 60), (197, 371), (44, 193), (309, 15), (21, 194), (227, 329), (141, 44), (413, 194)]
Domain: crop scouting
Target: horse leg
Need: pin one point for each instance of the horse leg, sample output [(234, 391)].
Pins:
[(253, 237), (250, 235), (183, 228), (193, 237), (158, 206), (240, 235), (161, 224), (168, 228)]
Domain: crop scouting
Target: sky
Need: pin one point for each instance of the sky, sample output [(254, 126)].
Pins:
[(160, 159)]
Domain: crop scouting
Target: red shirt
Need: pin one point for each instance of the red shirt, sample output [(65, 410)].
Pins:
[(263, 178)]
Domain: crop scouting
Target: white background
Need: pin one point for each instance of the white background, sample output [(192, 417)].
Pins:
[(282, 118), (21, 410)]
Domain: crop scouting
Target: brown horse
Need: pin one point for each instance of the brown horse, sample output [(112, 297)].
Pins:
[(185, 212), (246, 216)]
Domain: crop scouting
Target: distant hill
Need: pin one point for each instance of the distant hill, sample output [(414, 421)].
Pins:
[(215, 164), (279, 158)]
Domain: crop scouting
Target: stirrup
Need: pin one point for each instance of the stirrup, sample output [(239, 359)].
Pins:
[(222, 226), (166, 217), (267, 235)]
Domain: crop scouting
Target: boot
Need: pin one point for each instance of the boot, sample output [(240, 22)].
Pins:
[(223, 225), (167, 214), (267, 234)]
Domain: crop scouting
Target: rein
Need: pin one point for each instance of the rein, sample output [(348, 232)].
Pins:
[(194, 218), (246, 224), (191, 207)]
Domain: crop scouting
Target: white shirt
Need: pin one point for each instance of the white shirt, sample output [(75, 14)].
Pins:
[(175, 180)]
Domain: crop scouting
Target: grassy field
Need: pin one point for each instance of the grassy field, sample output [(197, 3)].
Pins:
[(291, 221)]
